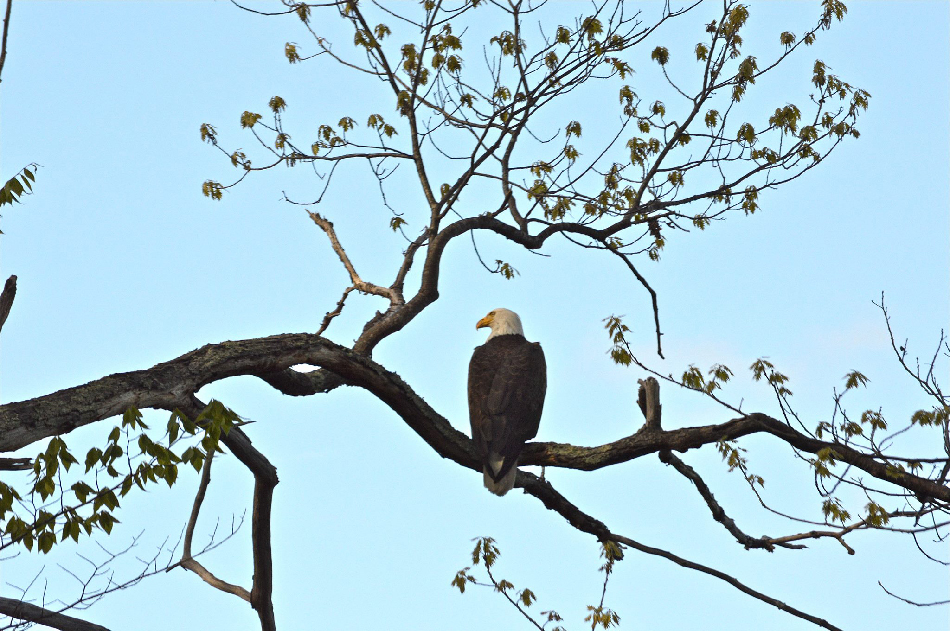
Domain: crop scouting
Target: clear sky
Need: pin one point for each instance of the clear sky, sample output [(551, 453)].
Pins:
[(122, 264)]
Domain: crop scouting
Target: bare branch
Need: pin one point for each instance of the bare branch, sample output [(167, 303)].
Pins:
[(15, 464), (187, 561), (332, 314), (911, 602), (6, 299), (554, 501), (718, 513), (358, 283), (6, 29), (265, 479), (25, 611)]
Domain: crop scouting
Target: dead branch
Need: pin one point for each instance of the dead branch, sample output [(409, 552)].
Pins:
[(358, 283), (332, 314), (648, 399)]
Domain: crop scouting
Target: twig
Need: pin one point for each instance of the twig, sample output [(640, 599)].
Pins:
[(656, 307), (504, 592), (911, 602), (332, 314)]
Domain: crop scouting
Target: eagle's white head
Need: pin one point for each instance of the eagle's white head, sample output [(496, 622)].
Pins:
[(501, 322)]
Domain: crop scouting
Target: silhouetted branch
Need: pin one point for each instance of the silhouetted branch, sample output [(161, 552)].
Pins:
[(8, 294), (15, 464), (20, 610), (167, 385), (265, 479), (187, 561), (553, 500), (718, 513), (911, 602), (3, 45)]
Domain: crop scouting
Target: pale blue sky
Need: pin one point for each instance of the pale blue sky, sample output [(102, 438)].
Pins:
[(122, 264)]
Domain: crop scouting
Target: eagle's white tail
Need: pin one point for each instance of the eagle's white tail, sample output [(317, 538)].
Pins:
[(503, 485)]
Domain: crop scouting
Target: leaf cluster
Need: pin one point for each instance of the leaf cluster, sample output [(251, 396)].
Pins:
[(95, 502)]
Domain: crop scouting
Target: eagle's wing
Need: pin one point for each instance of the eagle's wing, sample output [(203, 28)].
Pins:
[(506, 396)]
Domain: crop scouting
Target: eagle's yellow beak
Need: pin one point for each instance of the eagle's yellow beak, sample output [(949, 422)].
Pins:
[(486, 321)]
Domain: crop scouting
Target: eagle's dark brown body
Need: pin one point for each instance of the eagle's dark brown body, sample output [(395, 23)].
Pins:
[(506, 386)]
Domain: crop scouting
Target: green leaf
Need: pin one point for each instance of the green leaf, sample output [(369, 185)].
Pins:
[(45, 542), (131, 416), (853, 379), (661, 55), (249, 119), (94, 455)]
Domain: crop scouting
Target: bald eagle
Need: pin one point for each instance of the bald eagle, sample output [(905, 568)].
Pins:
[(506, 385)]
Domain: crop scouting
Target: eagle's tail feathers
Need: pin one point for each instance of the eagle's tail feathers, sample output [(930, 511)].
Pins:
[(501, 485)]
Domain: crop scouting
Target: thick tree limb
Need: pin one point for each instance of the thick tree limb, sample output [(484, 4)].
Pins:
[(25, 611), (166, 385)]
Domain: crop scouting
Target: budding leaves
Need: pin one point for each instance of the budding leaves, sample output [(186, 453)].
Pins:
[(661, 55), (18, 185), (853, 379), (249, 119)]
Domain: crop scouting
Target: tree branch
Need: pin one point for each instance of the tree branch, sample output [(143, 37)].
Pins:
[(718, 513), (911, 602), (25, 611), (556, 502), (6, 29), (265, 479), (15, 464), (6, 299), (166, 385), (187, 561), (358, 283)]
